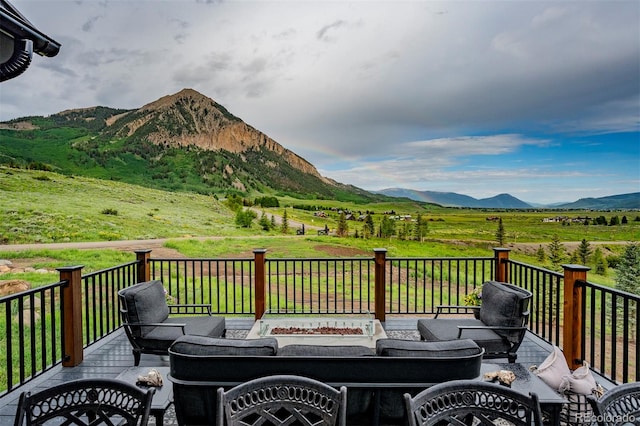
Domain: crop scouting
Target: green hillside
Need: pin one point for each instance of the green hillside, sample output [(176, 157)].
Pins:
[(48, 207)]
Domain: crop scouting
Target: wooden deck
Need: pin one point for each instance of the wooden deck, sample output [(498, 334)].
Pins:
[(111, 355)]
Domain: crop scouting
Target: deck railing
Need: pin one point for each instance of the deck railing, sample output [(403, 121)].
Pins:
[(225, 284), (545, 310), (50, 325), (419, 285), (610, 331), (590, 322), (31, 334)]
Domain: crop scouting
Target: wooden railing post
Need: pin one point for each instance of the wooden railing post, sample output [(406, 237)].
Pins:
[(72, 315), (379, 292), (572, 321), (144, 272), (502, 264), (259, 281)]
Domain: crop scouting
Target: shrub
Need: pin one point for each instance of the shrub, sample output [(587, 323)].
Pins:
[(112, 212)]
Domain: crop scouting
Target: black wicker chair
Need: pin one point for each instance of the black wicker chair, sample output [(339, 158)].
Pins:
[(501, 325), (470, 402), (145, 316), (86, 402), (282, 399), (618, 406)]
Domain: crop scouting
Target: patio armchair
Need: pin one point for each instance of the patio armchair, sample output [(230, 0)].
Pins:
[(470, 402), (282, 400), (501, 323), (86, 402), (619, 405), (145, 316)]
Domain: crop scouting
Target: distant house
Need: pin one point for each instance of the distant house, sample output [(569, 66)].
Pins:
[(19, 39)]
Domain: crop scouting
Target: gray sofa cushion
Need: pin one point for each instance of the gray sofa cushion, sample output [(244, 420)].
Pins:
[(501, 304), (205, 325), (392, 400), (146, 303), (320, 350), (447, 329), (453, 348), (358, 400), (198, 345)]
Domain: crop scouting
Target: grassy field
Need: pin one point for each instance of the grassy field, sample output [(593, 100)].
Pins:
[(45, 207)]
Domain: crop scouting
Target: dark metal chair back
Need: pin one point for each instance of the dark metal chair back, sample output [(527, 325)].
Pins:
[(471, 402), (282, 399), (86, 402), (618, 406)]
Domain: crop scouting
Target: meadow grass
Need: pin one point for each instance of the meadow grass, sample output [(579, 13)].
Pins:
[(43, 207)]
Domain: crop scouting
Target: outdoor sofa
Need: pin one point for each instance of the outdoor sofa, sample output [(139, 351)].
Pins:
[(376, 380)]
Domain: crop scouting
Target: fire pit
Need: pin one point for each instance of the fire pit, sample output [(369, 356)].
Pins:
[(329, 329), (317, 330)]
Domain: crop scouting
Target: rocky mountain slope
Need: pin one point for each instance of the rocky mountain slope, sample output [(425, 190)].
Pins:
[(184, 141)]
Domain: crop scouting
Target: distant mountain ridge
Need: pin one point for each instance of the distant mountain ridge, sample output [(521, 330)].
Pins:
[(507, 201)]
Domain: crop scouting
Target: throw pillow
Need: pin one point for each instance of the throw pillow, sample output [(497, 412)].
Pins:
[(581, 381), (553, 369)]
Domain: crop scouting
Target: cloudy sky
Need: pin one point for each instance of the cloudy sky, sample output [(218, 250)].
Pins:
[(537, 99)]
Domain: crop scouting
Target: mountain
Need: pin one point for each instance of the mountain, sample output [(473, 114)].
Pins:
[(612, 202), (452, 199), (185, 141)]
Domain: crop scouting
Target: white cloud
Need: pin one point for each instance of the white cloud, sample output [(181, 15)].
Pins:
[(352, 81)]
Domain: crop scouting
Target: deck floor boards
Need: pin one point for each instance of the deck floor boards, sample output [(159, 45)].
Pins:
[(112, 354)]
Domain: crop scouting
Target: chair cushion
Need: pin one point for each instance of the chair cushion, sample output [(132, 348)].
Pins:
[(146, 303), (502, 304), (196, 325), (198, 345), (321, 350), (434, 329), (422, 349)]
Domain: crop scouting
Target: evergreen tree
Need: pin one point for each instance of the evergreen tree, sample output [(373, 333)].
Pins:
[(284, 226), (624, 220), (541, 255), (574, 257), (500, 233), (628, 269), (387, 227), (421, 228), (343, 227), (368, 230), (403, 232), (584, 252), (599, 262), (556, 251), (273, 222), (614, 221), (264, 223)]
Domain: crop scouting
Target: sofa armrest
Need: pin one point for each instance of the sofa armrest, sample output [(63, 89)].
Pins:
[(461, 328), (190, 308), (154, 324), (441, 308)]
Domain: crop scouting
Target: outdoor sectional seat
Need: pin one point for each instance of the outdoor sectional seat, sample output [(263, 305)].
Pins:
[(200, 365), (150, 329), (501, 325)]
